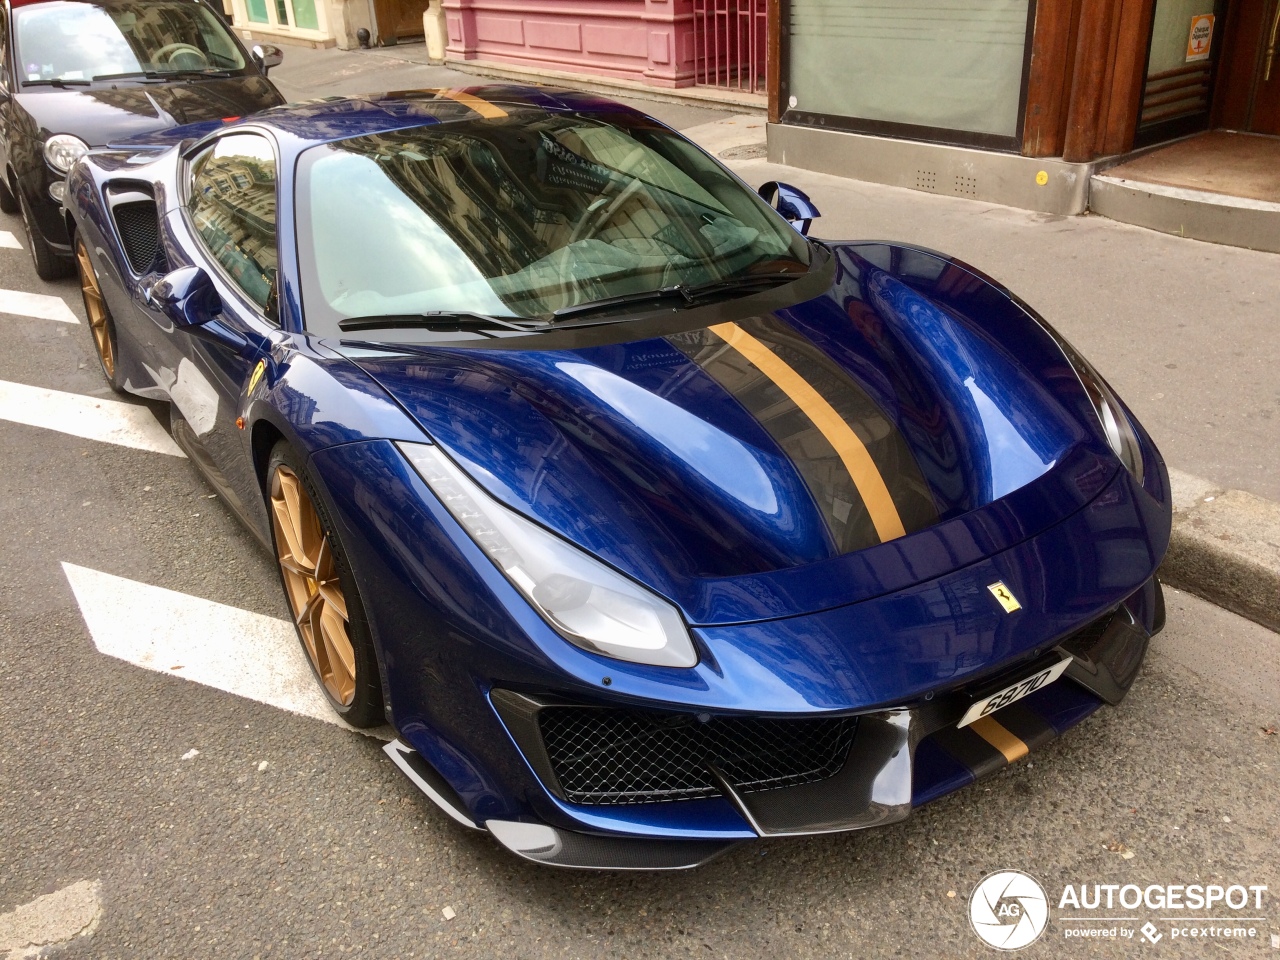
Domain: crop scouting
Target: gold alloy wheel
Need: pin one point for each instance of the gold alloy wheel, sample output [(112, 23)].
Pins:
[(96, 308), (311, 581)]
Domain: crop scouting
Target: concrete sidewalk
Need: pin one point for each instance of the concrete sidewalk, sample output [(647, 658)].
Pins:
[(1186, 331)]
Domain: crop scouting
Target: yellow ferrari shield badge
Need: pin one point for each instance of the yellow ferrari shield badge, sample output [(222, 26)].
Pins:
[(1004, 596)]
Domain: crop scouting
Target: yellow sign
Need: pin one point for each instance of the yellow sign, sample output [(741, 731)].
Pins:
[(1004, 596), (1042, 177), (1200, 39)]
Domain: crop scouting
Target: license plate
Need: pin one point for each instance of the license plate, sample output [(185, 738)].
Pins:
[(1002, 698)]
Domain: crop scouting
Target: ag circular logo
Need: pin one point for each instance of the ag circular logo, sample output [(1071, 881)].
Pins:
[(1008, 910)]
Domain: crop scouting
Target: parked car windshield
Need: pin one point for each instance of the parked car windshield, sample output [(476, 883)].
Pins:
[(84, 41), (522, 216)]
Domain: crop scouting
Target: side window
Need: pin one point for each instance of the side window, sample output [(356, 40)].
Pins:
[(233, 206)]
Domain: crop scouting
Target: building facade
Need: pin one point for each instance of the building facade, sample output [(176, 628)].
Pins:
[(656, 43)]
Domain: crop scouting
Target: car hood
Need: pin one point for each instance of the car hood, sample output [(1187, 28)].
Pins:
[(105, 115), (758, 462)]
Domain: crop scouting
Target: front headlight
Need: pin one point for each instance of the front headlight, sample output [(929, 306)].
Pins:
[(62, 151), (585, 601), (1115, 423)]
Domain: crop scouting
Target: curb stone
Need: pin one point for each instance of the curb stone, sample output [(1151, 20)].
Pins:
[(1225, 547)]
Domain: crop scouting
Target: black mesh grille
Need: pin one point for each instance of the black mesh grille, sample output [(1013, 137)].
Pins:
[(603, 756), (139, 230), (1083, 642)]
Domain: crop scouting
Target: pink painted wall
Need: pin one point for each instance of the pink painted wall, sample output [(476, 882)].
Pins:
[(650, 41)]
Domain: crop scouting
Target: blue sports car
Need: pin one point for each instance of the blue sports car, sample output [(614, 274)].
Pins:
[(651, 524)]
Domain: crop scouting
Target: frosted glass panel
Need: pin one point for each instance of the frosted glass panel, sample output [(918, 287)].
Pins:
[(1171, 31), (257, 10), (304, 15), (955, 64)]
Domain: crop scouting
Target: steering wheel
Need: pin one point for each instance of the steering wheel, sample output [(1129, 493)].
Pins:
[(171, 50)]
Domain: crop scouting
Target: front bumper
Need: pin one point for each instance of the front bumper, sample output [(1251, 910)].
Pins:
[(899, 759), (905, 664)]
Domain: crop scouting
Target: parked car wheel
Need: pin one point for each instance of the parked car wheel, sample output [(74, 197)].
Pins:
[(321, 592), (101, 324), (49, 266), (8, 202)]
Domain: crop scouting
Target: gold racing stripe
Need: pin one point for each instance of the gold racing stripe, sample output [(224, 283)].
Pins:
[(490, 111), (853, 453), (1000, 737)]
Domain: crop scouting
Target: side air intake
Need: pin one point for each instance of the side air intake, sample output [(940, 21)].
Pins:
[(137, 222)]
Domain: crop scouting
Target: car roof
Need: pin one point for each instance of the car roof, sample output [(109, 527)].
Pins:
[(337, 118)]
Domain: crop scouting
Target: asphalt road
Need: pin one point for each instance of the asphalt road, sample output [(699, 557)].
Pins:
[(286, 836)]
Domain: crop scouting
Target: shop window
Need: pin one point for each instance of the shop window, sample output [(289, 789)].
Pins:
[(1181, 69), (299, 14), (952, 71)]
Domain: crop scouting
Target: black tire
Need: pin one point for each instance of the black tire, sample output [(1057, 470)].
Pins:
[(365, 707), (8, 202), (49, 266), (102, 326)]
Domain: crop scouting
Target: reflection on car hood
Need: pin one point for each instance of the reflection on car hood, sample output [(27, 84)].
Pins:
[(104, 115), (869, 438)]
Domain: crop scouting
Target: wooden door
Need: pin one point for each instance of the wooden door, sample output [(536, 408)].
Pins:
[(1250, 95), (1264, 115), (398, 19)]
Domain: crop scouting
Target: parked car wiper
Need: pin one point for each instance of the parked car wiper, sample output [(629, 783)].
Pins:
[(188, 74), (55, 82), (438, 320), (164, 74), (689, 293)]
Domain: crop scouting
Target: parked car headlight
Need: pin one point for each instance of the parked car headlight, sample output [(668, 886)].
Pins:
[(1115, 422), (586, 602), (62, 151)]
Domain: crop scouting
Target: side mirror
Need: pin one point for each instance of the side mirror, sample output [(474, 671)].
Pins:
[(267, 55), (792, 203), (187, 297)]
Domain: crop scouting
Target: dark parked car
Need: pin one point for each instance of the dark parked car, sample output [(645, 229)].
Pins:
[(85, 73)]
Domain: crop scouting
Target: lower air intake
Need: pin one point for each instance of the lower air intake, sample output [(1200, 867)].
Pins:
[(606, 756)]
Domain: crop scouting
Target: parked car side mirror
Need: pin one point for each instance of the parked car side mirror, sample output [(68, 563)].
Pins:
[(267, 55), (792, 203)]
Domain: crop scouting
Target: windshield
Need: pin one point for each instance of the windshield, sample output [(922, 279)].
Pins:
[(80, 41), (522, 216)]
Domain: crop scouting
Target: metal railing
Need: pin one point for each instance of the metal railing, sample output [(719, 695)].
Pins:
[(729, 44)]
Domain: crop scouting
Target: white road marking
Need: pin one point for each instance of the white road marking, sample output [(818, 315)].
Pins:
[(247, 654), (38, 305), (93, 418), (7, 239), (55, 918)]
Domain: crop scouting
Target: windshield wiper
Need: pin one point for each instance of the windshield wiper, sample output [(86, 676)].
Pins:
[(188, 74), (445, 320), (55, 82), (688, 293), (164, 74)]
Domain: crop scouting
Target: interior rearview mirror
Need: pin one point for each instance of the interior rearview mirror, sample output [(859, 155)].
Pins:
[(792, 203), (267, 55)]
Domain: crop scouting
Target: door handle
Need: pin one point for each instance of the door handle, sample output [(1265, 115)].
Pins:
[(1271, 44)]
